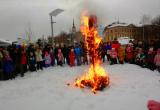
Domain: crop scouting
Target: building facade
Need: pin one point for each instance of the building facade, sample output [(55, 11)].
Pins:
[(151, 32), (117, 30)]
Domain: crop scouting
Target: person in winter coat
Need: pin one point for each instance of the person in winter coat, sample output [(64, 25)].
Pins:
[(1, 67), (56, 53), (67, 55), (103, 51), (23, 62), (78, 53), (72, 57), (16, 57), (47, 59), (8, 67), (121, 54), (140, 58), (64, 51), (129, 53), (32, 62), (150, 58), (108, 48), (113, 55), (115, 44), (39, 59), (60, 57), (52, 56), (157, 60)]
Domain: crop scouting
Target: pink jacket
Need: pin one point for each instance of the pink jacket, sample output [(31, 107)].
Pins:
[(47, 59), (157, 60), (60, 55), (113, 54)]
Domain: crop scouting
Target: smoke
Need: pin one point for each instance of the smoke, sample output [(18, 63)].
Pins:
[(94, 7), (98, 8)]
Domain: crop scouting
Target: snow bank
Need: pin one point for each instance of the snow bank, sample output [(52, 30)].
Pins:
[(130, 88)]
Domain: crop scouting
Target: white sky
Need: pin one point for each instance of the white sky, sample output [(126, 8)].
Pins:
[(18, 15)]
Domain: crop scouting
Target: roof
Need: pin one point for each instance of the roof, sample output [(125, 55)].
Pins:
[(5, 42), (114, 24), (118, 24)]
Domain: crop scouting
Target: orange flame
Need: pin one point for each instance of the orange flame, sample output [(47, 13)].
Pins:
[(96, 77)]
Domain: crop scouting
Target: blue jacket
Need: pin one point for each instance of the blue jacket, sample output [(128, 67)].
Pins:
[(32, 60), (8, 66), (78, 51), (108, 47)]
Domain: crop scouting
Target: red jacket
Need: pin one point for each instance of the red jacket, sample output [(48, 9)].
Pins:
[(129, 53), (72, 58), (23, 58), (116, 46)]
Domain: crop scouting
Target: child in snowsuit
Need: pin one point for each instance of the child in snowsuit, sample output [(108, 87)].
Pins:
[(108, 48), (121, 54), (60, 57), (150, 58), (32, 62), (72, 57), (52, 57), (23, 62), (47, 59), (140, 58), (113, 55), (8, 67), (157, 60), (129, 53), (1, 67), (78, 52), (39, 59)]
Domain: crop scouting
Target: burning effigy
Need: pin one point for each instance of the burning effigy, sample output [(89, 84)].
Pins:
[(95, 78)]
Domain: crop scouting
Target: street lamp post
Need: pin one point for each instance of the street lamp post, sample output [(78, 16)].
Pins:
[(54, 13), (52, 31)]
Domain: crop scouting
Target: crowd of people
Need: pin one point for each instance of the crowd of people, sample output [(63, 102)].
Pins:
[(18, 59)]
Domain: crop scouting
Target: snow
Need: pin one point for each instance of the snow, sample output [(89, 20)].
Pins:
[(130, 88)]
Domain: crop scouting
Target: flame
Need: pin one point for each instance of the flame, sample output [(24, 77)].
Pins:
[(95, 77)]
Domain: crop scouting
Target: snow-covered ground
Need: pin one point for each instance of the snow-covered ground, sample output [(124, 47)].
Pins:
[(130, 88)]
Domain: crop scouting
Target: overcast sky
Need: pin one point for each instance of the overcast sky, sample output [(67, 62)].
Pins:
[(16, 16)]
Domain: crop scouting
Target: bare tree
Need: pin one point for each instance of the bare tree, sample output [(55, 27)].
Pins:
[(63, 33), (156, 20), (146, 19), (29, 33)]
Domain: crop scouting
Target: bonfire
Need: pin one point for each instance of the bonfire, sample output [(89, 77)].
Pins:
[(95, 78)]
